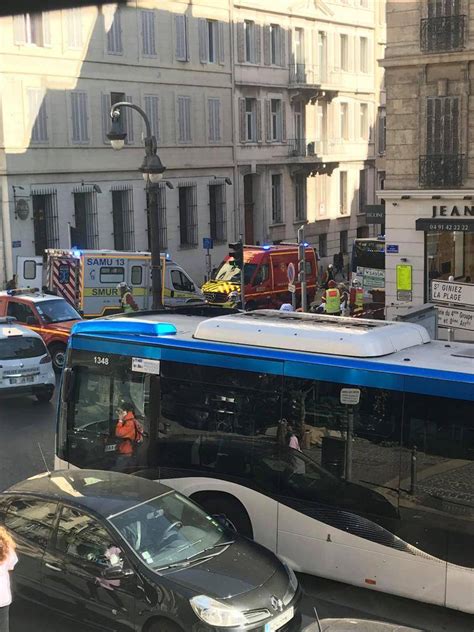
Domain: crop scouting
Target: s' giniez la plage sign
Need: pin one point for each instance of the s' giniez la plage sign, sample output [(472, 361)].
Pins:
[(452, 292)]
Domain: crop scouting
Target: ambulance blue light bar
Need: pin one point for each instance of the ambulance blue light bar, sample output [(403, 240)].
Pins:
[(124, 326)]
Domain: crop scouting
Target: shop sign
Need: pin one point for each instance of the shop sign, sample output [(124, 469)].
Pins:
[(372, 278), (439, 225), (455, 318), (453, 211), (452, 292), (375, 213)]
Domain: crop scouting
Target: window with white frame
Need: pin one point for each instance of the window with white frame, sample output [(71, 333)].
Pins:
[(151, 102), (74, 28), (322, 54), (300, 197), (148, 33), (212, 41), (344, 51), (363, 54), (214, 119), (277, 217), (321, 121), (363, 174), (182, 43), (364, 121), (79, 117), (344, 121), (113, 29), (37, 115), (32, 28), (276, 122), (364, 3), (276, 45), (249, 35), (251, 120), (184, 119), (343, 192), (343, 242)]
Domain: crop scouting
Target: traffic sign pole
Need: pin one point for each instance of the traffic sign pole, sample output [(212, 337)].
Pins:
[(302, 268)]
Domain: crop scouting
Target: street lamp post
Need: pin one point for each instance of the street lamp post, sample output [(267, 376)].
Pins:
[(152, 170)]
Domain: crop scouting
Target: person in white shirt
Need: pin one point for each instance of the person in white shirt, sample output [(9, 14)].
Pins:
[(8, 560)]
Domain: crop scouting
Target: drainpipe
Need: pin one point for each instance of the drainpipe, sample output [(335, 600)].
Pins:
[(6, 224), (236, 177)]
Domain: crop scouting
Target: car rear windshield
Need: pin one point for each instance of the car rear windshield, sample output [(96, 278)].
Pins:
[(17, 348), (55, 311)]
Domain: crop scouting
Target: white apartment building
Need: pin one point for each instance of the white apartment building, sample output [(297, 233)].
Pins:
[(307, 90), (59, 74), (265, 115)]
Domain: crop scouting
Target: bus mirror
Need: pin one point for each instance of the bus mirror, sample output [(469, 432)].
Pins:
[(69, 379)]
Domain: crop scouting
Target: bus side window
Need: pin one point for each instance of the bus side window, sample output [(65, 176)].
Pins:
[(137, 275)]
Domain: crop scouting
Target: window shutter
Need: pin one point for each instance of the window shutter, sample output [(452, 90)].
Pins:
[(74, 27), (240, 43), (19, 29), (203, 43), (268, 120), (180, 28), (455, 125), (266, 46), (291, 56), (258, 106), (180, 119), (106, 120), (283, 37), (148, 33), (84, 117), (283, 121), (258, 44), (221, 42), (130, 132), (210, 119), (337, 51), (152, 110), (242, 126), (46, 29)]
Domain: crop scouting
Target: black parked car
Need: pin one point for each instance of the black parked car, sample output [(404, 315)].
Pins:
[(117, 552)]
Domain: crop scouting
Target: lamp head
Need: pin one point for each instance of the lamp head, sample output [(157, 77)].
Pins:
[(152, 168), (116, 135)]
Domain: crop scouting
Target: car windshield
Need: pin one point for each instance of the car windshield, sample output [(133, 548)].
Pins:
[(169, 530), (20, 347), (56, 311), (229, 271)]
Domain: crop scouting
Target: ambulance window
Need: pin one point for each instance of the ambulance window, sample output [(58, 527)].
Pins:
[(262, 274), (137, 274), (181, 281), (112, 275), (307, 265), (29, 270)]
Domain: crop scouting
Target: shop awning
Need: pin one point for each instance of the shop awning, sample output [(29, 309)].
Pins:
[(445, 224)]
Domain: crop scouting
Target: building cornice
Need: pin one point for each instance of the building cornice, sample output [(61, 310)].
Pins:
[(425, 194), (419, 59)]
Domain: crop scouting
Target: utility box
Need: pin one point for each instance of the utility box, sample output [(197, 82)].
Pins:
[(426, 315)]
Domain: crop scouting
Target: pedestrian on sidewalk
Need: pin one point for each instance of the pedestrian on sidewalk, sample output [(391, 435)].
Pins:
[(8, 560)]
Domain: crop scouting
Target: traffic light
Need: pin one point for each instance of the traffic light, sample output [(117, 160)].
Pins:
[(301, 262), (237, 253)]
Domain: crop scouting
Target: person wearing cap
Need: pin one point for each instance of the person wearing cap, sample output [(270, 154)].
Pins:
[(332, 299), (286, 307), (127, 302), (356, 299)]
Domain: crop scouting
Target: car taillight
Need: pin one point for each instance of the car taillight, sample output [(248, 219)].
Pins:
[(45, 359)]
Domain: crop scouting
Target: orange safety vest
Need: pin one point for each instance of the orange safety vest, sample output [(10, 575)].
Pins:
[(333, 301)]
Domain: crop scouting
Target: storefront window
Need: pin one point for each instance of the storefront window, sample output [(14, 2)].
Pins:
[(450, 254)]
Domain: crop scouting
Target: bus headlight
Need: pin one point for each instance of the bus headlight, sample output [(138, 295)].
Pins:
[(215, 613)]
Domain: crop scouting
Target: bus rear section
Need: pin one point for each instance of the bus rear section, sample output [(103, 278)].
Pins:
[(246, 415)]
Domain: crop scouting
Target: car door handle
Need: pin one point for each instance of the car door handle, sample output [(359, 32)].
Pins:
[(53, 567)]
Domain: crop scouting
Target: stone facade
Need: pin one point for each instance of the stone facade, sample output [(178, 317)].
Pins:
[(307, 67), (430, 135)]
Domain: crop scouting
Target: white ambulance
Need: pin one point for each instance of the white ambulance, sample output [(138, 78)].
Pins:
[(88, 279)]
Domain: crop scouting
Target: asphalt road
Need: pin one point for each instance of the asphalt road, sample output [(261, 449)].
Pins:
[(24, 423)]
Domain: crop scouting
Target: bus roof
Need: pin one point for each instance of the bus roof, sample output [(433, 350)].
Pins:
[(448, 361)]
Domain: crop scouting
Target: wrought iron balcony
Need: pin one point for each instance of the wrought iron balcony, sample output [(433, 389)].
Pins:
[(440, 171), (442, 33), (302, 148), (303, 74)]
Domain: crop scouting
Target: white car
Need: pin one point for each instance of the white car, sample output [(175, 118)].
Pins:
[(25, 364)]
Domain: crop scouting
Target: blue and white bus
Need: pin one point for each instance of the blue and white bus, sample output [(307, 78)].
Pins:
[(243, 413)]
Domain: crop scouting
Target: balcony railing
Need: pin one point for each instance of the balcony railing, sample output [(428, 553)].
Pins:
[(303, 74), (442, 33), (441, 170), (301, 148)]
